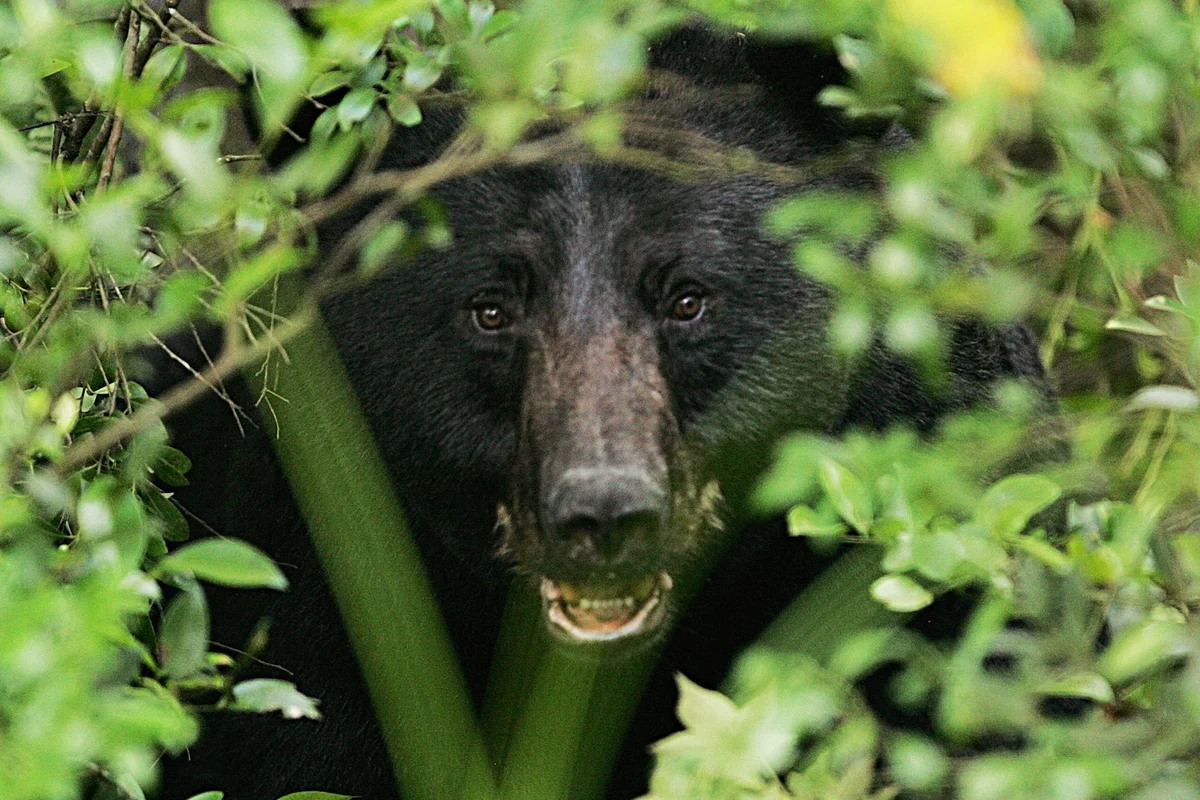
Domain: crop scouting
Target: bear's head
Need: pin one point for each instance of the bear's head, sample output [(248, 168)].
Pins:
[(569, 385)]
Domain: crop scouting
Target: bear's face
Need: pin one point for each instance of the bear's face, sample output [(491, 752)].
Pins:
[(555, 389), (593, 316)]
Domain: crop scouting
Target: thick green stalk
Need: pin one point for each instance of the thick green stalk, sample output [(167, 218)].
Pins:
[(378, 581), (832, 608)]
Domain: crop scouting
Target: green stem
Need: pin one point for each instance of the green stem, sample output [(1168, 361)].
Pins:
[(375, 571)]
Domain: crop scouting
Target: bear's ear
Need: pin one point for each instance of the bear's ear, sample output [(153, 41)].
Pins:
[(791, 75)]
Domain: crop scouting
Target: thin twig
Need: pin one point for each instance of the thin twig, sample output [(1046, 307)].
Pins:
[(180, 395), (114, 139)]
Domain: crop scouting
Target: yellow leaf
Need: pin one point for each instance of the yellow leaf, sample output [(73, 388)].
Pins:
[(970, 46)]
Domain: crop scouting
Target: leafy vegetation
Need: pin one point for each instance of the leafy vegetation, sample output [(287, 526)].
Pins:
[(1051, 176)]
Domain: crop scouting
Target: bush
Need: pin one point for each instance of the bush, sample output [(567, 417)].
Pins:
[(1050, 177)]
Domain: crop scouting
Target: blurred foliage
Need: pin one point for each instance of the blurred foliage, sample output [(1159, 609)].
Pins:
[(1051, 175)]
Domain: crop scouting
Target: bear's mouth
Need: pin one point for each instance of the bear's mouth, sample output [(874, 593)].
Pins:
[(590, 611)]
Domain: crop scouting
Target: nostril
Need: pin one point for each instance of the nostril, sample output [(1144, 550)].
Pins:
[(605, 509), (609, 537)]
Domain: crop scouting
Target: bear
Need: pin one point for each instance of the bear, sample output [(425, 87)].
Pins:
[(571, 394)]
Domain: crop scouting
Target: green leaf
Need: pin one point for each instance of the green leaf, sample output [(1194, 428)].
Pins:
[(1134, 324), (268, 694), (1081, 684), (849, 496), (355, 107), (1045, 552), (227, 58), (1141, 648), (326, 82), (316, 796), (208, 796), (1165, 398), (804, 521), (176, 529), (247, 279), (900, 593), (264, 33), (183, 637), (703, 708), (1008, 506), (228, 562), (171, 466), (404, 109), (382, 244)]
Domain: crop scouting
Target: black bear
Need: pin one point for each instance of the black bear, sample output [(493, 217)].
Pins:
[(554, 395)]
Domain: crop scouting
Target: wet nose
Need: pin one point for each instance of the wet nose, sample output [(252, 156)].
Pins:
[(606, 510)]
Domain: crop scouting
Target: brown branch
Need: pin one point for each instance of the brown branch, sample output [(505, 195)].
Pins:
[(118, 128)]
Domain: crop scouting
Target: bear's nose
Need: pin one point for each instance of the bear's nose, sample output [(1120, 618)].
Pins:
[(606, 513)]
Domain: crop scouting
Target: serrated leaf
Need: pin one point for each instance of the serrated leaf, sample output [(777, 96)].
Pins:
[(900, 593), (228, 562), (847, 493), (264, 695), (183, 636)]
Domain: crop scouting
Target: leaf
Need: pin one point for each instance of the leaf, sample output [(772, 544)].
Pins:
[(228, 562), (703, 708), (804, 521), (208, 796), (251, 275), (1134, 324), (900, 593), (1141, 648), (1008, 505), (224, 57), (1166, 398), (326, 82), (355, 107), (171, 466), (177, 529), (1044, 552), (1081, 684), (183, 637), (1187, 287), (378, 249), (264, 33), (404, 109), (268, 694), (849, 496), (316, 796)]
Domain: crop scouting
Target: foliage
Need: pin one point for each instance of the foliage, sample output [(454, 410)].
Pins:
[(1050, 175)]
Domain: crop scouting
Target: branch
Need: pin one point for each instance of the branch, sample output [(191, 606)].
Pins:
[(185, 393)]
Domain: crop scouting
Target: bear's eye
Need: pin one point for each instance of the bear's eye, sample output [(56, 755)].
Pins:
[(490, 316), (687, 307)]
